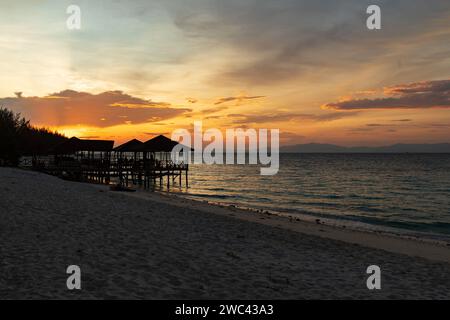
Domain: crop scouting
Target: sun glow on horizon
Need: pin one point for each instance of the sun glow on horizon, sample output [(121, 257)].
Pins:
[(131, 73)]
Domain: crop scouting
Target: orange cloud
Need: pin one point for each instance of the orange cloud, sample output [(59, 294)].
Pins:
[(288, 116), (68, 108), (191, 100), (426, 94), (238, 99)]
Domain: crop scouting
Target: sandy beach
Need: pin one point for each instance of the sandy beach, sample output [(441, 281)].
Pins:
[(152, 246)]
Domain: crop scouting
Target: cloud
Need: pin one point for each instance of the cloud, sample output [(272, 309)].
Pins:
[(419, 95), (213, 117), (288, 116), (238, 99), (438, 86), (290, 137), (277, 46), (105, 109), (156, 133), (265, 72), (375, 125), (402, 120), (400, 125), (213, 110)]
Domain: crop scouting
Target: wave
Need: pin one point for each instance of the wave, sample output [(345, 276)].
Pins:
[(410, 193)]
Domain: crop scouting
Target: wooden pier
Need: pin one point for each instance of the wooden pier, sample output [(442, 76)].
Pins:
[(135, 163)]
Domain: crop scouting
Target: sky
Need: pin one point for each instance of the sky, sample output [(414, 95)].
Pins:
[(312, 69)]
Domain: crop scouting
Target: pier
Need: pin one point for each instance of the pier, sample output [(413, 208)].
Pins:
[(137, 163)]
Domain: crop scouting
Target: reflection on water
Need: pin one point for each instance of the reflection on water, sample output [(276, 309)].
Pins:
[(408, 191)]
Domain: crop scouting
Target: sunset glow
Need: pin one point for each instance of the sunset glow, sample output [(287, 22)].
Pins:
[(147, 69)]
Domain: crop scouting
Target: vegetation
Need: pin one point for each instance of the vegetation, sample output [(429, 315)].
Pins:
[(19, 138)]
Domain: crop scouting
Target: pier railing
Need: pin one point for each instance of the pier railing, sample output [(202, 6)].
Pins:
[(146, 172)]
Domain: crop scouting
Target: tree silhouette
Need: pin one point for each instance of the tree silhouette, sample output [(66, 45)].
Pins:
[(19, 138)]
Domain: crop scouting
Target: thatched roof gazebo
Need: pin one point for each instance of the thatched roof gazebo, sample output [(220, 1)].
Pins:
[(151, 160), (129, 146), (74, 145), (80, 159), (158, 144), (90, 160), (128, 149)]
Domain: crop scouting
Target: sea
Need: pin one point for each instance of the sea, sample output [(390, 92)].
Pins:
[(402, 193)]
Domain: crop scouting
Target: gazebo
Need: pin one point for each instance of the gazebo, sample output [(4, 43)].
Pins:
[(159, 144), (90, 149), (142, 162), (79, 158), (127, 166), (157, 162), (157, 150), (128, 148)]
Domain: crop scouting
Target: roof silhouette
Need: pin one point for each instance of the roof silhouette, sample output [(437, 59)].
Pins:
[(74, 144), (129, 146), (158, 144)]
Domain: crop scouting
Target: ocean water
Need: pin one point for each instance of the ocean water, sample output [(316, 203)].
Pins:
[(408, 192)]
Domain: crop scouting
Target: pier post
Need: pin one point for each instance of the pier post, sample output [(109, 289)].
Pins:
[(168, 180)]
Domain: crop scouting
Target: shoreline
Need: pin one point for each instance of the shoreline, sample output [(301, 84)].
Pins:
[(156, 246), (432, 249), (383, 238), (353, 225)]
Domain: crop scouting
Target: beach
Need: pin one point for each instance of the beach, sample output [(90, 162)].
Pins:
[(153, 246)]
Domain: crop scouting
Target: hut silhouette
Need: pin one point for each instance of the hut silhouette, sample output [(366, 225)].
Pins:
[(74, 146), (158, 144), (98, 161), (146, 162), (129, 146), (81, 159)]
